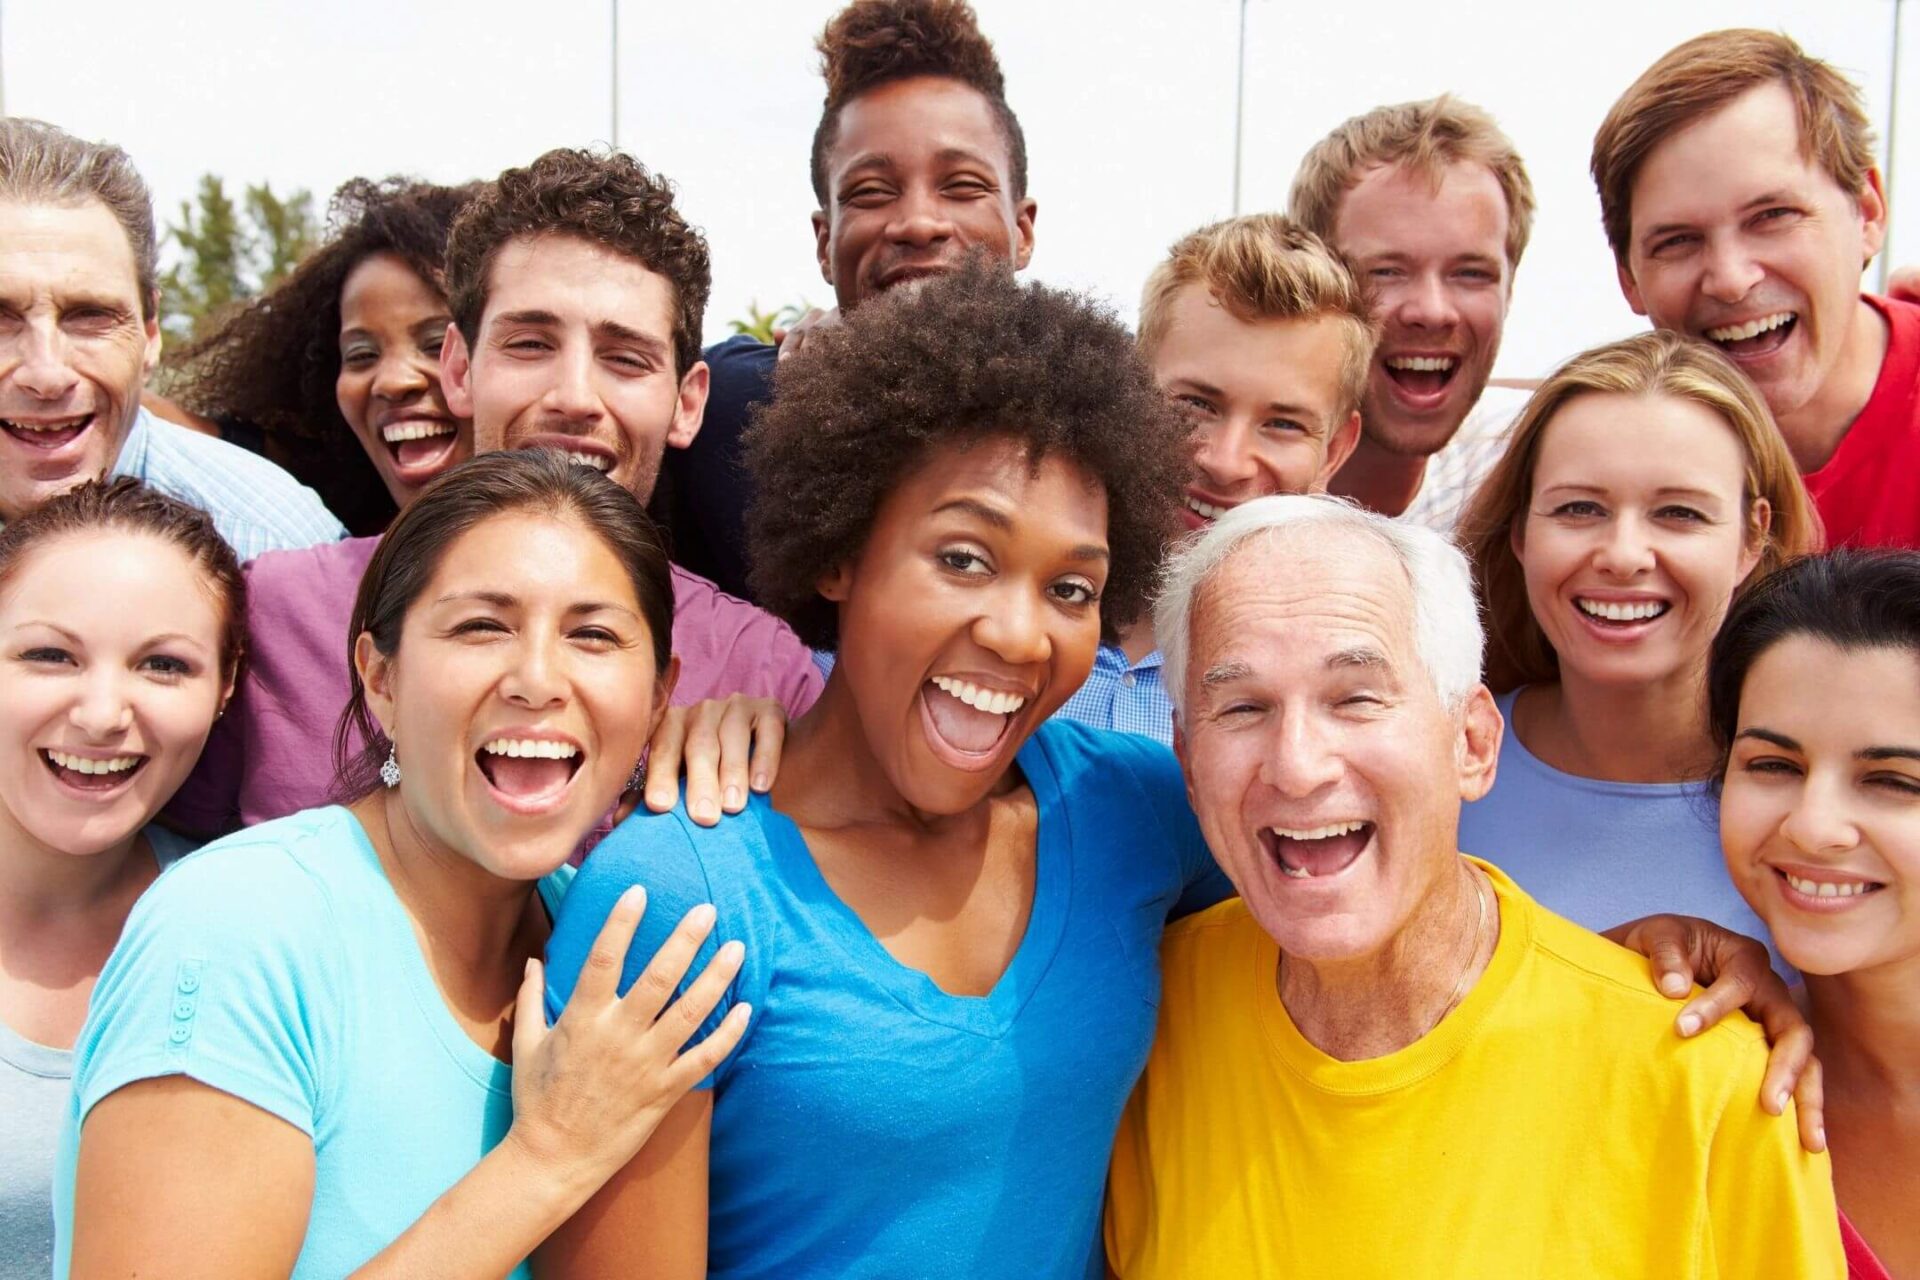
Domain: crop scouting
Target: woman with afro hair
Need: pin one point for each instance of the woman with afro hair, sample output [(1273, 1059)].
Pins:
[(951, 904)]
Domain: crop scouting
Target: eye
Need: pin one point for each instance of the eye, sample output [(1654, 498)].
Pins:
[(1384, 273), (357, 359), (596, 636), (47, 655), (1198, 405), (1771, 766), (1284, 426), (1579, 509), (867, 196), (629, 361), (1477, 275), (166, 665), (479, 627), (1074, 591), (1899, 783), (1669, 244), (1687, 514), (962, 561), (1776, 214), (528, 346), (432, 347), (968, 188), (1360, 701)]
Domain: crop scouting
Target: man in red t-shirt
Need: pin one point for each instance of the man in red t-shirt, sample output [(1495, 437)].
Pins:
[(1739, 190)]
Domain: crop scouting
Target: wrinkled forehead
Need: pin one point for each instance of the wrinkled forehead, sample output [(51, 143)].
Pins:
[(78, 243)]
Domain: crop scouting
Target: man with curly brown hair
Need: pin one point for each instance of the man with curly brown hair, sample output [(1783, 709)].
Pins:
[(917, 161)]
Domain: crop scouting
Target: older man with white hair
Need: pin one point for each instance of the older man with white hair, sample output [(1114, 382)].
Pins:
[(1383, 1058)]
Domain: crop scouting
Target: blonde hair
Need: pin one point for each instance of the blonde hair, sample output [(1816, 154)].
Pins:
[(1265, 267), (1705, 74), (1424, 137), (1655, 363)]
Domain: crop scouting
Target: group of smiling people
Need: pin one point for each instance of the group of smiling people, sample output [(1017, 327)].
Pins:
[(489, 788)]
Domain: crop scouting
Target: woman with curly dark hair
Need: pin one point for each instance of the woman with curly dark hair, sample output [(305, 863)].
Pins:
[(339, 364), (951, 904)]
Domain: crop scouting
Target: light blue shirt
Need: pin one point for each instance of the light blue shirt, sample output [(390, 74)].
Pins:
[(254, 504), (872, 1125), (277, 965), (1603, 853)]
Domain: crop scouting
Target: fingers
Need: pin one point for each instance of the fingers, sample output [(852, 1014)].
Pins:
[(529, 1011), (702, 996), (736, 747), (769, 738), (701, 754), (656, 983), (600, 972), (1728, 994), (1786, 1061), (699, 1062), (1810, 1105), (663, 760)]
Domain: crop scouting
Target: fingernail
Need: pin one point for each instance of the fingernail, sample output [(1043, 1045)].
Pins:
[(1673, 984), (706, 810), (630, 897), (761, 782), (745, 1011), (703, 916), (733, 799), (732, 951), (1780, 1101), (1820, 1136), (1689, 1023), (528, 971)]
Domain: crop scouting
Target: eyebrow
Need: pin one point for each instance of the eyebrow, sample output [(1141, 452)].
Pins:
[(619, 332), (1000, 520), (946, 155), (1785, 743), (1227, 672), (1664, 491), (51, 626), (1359, 656), (506, 600)]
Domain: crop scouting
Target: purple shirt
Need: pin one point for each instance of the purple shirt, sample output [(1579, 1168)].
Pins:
[(271, 754)]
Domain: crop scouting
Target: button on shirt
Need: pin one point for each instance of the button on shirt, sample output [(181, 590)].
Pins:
[(1122, 695), (254, 504)]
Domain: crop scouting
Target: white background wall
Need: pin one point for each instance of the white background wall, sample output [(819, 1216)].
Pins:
[(1127, 104)]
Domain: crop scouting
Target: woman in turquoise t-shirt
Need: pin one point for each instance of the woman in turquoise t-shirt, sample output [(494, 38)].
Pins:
[(297, 1061), (120, 628)]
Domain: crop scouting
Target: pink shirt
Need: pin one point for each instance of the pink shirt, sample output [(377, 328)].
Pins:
[(272, 753)]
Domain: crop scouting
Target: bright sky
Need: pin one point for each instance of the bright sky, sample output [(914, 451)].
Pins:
[(1128, 107)]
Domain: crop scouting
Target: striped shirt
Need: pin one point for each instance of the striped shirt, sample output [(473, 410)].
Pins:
[(254, 504)]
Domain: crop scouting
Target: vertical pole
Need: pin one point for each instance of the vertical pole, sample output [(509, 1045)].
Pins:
[(1239, 103), (3, 61), (613, 7), (1893, 123)]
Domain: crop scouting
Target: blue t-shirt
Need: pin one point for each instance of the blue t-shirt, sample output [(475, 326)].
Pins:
[(277, 965), (1603, 853), (872, 1125)]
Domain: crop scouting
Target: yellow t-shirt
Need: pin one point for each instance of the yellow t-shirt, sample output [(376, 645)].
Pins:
[(1553, 1125)]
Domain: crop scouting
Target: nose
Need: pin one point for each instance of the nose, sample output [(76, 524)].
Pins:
[(1626, 549), (1223, 455), (571, 393), (920, 219), (103, 710), (535, 677), (44, 370), (398, 377), (1731, 271), (1818, 823), (1010, 625), (1300, 759), (1425, 302)]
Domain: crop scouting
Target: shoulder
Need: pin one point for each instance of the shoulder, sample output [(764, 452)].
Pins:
[(279, 875), (238, 488), (742, 356), (298, 572), (1191, 939), (727, 645), (1083, 755)]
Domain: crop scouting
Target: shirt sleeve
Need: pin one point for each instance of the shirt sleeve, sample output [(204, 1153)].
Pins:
[(225, 974), (208, 803), (1770, 1203), (1159, 780), (663, 854)]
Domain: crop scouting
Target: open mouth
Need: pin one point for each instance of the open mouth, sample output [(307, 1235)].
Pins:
[(1621, 615), (1422, 377), (1826, 893), (966, 723), (47, 433), (1755, 338), (91, 773), (1204, 512), (420, 444), (1310, 853), (528, 775)]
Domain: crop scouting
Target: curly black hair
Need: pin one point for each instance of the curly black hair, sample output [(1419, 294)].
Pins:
[(965, 358), (606, 198), (274, 362), (874, 42)]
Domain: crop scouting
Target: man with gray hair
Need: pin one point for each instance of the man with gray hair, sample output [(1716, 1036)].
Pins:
[(1383, 1058), (79, 335)]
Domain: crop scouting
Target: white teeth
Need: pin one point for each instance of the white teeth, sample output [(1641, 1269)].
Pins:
[(1828, 888), (535, 748), (1318, 833), (65, 424), (988, 700), (598, 461), (1621, 611), (1751, 329), (83, 764), (1205, 510), (1423, 364), (395, 432)]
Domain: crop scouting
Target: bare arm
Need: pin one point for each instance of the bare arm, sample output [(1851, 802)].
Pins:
[(649, 1222)]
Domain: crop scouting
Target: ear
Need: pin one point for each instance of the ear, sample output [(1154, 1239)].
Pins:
[(1873, 213), (1477, 750), (150, 358), (1023, 215), (836, 586), (1339, 449), (456, 372), (823, 243), (690, 410), (663, 686), (1759, 525), (1517, 534), (1180, 754), (376, 677), (1629, 288)]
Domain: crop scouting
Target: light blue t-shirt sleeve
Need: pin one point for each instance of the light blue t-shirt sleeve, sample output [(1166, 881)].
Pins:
[(223, 975), (1160, 785), (663, 853)]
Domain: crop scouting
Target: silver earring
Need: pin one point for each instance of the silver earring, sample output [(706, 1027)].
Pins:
[(638, 778), (390, 768)]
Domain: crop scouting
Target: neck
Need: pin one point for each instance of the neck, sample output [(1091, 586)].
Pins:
[(460, 908), (1136, 641), (1378, 1004), (1814, 431), (1644, 733), (39, 883), (1867, 1024), (1379, 480)]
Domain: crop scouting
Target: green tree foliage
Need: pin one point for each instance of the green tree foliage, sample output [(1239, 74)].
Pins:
[(227, 252), (761, 324)]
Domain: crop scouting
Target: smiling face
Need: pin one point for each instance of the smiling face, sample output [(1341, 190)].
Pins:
[(110, 644), (392, 325), (918, 175), (1326, 772), (520, 695), (1739, 239), (74, 349), (1264, 397), (575, 352), (1635, 537), (1820, 810), (1435, 265), (1002, 563)]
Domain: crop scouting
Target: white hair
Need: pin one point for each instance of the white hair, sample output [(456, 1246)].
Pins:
[(1447, 636)]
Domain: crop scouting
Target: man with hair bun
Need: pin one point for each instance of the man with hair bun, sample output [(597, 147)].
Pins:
[(917, 161), (1740, 195)]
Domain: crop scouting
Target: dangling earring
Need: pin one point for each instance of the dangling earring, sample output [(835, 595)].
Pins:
[(390, 768), (638, 778)]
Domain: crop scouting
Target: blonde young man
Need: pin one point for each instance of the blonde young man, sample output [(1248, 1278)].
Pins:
[(1430, 204), (1739, 192), (1260, 333), (1382, 1058)]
